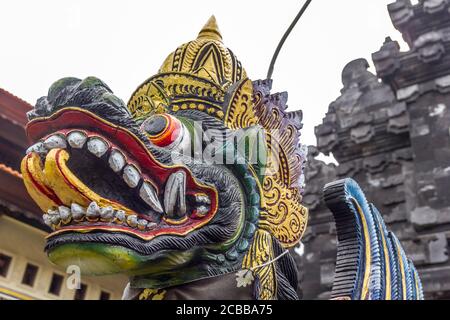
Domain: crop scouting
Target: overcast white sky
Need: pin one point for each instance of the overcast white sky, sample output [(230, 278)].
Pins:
[(125, 42)]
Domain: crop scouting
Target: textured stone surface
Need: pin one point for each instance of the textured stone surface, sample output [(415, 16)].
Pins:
[(391, 133)]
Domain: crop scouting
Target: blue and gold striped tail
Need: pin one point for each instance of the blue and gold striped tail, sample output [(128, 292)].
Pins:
[(371, 263)]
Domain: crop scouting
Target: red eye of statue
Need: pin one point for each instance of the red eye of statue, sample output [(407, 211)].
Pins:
[(162, 129)]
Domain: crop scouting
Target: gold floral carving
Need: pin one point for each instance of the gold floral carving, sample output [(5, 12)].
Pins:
[(240, 112), (258, 260), (282, 213), (152, 294)]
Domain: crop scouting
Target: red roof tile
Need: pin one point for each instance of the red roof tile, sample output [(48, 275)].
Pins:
[(13, 108)]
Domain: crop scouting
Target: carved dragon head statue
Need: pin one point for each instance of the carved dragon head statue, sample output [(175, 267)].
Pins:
[(138, 189)]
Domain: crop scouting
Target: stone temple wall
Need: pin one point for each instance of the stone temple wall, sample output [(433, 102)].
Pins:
[(391, 133)]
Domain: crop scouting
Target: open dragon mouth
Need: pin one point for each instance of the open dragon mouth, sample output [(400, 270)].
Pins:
[(88, 175)]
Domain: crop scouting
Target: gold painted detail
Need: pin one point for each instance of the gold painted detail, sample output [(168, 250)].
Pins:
[(282, 139), (416, 284), (387, 263), (152, 294), (260, 252), (282, 213), (367, 250), (36, 183), (210, 30), (206, 57), (147, 100), (198, 75), (240, 112), (166, 91), (56, 180), (402, 270)]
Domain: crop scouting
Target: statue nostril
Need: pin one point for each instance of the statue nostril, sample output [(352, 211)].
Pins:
[(162, 129)]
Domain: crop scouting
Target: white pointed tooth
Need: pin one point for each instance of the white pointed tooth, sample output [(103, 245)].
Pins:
[(55, 141), (175, 195), (132, 220), (116, 160), (202, 210), (97, 146), (120, 215), (93, 210), (148, 194), (38, 148), (203, 199), (131, 176), (107, 212), (142, 223), (78, 211), (54, 217), (77, 139), (47, 220), (64, 213), (152, 225)]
